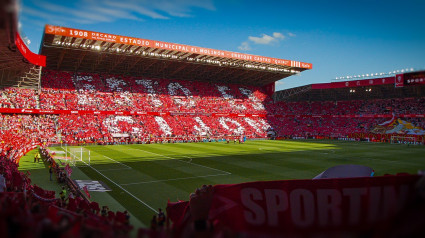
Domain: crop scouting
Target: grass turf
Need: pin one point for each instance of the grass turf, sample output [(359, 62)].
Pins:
[(144, 177)]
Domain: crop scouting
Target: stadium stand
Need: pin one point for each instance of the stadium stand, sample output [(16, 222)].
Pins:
[(112, 92), (73, 105), (30, 211), (169, 108)]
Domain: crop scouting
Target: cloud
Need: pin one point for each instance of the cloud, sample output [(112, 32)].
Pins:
[(50, 18), (290, 34), (266, 39), (244, 46), (137, 8), (180, 8), (263, 40), (103, 11), (278, 36), (94, 13)]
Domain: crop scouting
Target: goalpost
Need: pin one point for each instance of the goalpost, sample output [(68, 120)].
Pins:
[(411, 140), (77, 155)]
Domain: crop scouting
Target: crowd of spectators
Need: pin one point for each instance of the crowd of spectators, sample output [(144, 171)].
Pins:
[(27, 210), (145, 129), (186, 106), (321, 127), (21, 133), (125, 93), (18, 98), (353, 107)]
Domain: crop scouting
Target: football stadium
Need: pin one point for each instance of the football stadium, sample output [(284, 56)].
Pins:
[(105, 135)]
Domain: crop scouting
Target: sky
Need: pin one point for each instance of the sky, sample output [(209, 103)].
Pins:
[(340, 38)]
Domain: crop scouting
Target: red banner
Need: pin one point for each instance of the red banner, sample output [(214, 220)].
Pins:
[(86, 191), (135, 113), (68, 170), (353, 116), (305, 206), (269, 89), (36, 59), (414, 78), (399, 81), (125, 113), (355, 83), (64, 31)]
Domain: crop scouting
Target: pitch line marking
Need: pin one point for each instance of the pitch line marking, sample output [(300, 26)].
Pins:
[(117, 162), (389, 161), (114, 169), (190, 162), (174, 179), (184, 161), (142, 202)]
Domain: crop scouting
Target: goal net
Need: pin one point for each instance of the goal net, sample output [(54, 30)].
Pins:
[(78, 156), (411, 140)]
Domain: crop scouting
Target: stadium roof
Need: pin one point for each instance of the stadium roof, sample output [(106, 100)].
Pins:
[(403, 85), (14, 65), (77, 50)]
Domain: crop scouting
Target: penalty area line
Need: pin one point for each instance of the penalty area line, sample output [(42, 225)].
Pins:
[(174, 179), (117, 162), (203, 166), (123, 189), (113, 169)]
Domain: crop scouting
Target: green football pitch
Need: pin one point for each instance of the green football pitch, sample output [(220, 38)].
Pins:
[(144, 177)]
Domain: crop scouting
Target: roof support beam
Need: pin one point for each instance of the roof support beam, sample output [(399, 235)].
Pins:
[(80, 60), (118, 61), (99, 60), (180, 68), (133, 64), (62, 54)]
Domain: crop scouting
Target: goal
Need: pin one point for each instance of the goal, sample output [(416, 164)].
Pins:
[(79, 156), (411, 140)]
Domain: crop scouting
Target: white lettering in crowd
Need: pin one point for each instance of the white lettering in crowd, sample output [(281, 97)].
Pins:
[(322, 207)]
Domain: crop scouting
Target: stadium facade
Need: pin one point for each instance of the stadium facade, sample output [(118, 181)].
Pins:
[(89, 87), (137, 90)]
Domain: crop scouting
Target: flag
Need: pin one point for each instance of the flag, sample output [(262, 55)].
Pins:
[(2, 183), (68, 170), (86, 191), (305, 207), (399, 81)]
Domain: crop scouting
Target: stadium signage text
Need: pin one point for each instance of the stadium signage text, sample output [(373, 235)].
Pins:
[(33, 58), (63, 31), (92, 185), (322, 205), (357, 83), (42, 111)]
